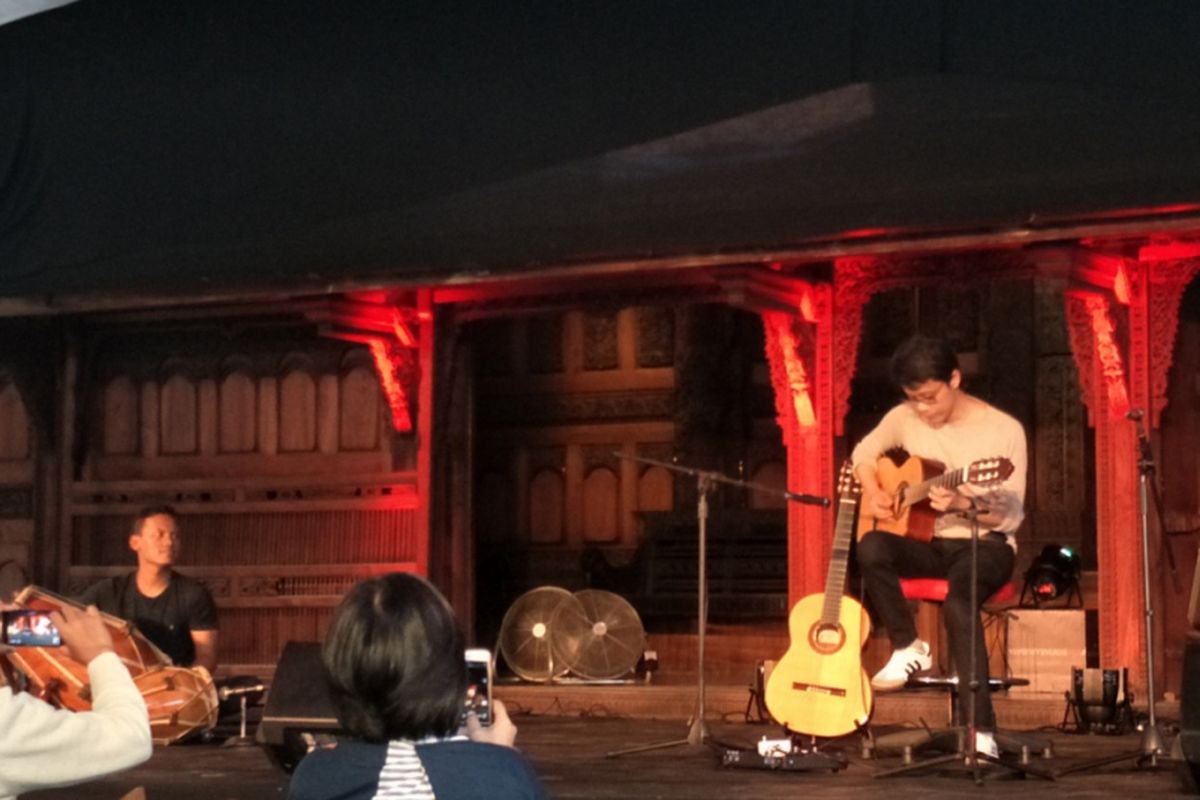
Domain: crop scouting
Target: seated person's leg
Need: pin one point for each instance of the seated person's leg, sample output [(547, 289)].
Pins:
[(995, 568), (883, 559)]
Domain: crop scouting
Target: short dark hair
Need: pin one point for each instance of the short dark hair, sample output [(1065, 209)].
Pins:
[(148, 512), (922, 358), (393, 658)]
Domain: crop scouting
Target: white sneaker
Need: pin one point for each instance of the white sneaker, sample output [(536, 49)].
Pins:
[(903, 664), (985, 744)]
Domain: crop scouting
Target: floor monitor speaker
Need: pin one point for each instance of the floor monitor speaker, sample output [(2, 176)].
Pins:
[(298, 713)]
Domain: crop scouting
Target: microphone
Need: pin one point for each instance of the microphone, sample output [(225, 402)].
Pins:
[(1134, 414), (226, 692)]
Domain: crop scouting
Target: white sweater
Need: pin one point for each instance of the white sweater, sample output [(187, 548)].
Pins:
[(988, 433), (42, 746)]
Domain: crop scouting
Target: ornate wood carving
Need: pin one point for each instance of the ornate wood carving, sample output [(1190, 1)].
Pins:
[(1157, 288), (655, 336), (547, 409), (1101, 375), (856, 279), (600, 350)]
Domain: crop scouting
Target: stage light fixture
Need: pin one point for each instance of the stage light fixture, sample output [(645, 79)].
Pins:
[(1054, 573)]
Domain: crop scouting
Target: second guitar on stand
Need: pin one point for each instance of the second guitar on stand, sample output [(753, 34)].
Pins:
[(819, 687)]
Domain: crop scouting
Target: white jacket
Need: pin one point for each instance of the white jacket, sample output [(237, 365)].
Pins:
[(42, 746)]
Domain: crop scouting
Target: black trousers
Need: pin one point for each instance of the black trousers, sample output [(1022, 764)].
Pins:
[(884, 558)]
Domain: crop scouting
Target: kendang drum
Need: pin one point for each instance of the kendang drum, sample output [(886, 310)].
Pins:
[(180, 700)]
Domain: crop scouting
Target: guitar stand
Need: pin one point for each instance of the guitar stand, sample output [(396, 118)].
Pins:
[(965, 753)]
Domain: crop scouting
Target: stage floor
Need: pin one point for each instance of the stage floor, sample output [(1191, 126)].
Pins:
[(569, 753)]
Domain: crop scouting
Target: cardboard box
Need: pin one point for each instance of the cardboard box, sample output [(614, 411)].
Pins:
[(1043, 647)]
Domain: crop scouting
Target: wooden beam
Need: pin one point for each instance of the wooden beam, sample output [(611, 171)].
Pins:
[(451, 286)]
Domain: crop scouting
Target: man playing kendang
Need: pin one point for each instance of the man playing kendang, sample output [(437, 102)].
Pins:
[(941, 422), (173, 611)]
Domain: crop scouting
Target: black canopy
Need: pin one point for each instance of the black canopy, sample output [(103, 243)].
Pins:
[(194, 148)]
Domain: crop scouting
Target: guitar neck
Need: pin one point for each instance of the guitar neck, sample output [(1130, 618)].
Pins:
[(835, 579)]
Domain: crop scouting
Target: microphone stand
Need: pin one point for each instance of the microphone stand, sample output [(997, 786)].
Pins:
[(705, 479), (967, 753), (1152, 749)]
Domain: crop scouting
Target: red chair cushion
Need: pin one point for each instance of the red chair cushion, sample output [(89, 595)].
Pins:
[(935, 590)]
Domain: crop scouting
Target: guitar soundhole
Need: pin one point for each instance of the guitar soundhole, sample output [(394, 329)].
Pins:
[(826, 639)]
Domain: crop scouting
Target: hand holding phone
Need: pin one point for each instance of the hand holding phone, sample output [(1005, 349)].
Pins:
[(84, 632), (29, 627), (501, 732), (479, 686)]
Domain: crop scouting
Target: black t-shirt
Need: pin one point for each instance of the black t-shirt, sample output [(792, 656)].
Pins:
[(167, 620)]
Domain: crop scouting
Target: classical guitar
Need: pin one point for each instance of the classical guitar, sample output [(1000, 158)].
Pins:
[(909, 478), (819, 687)]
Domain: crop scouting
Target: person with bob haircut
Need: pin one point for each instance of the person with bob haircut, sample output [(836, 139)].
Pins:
[(939, 421), (394, 661)]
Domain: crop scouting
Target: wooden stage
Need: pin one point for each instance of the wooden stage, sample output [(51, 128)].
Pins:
[(567, 730)]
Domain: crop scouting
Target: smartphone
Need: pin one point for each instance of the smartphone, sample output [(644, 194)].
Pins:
[(29, 627), (479, 685)]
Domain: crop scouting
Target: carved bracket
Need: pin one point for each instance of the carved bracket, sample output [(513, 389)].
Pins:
[(390, 330)]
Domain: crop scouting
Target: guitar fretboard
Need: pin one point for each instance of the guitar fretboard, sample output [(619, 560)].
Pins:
[(835, 579)]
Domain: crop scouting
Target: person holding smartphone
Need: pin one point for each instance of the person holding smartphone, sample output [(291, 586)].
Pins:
[(397, 675), (43, 747)]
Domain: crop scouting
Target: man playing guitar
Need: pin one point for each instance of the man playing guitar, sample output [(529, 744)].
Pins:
[(939, 422)]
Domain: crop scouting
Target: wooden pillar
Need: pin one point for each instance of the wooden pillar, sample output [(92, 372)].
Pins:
[(425, 395), (1156, 287), (1118, 558), (65, 457), (799, 352), (1112, 384)]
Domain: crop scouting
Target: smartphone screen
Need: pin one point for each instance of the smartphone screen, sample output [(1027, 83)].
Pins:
[(28, 627), (479, 685)]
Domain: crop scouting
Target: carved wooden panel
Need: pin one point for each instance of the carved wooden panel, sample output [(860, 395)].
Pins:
[(14, 424), (238, 414), (655, 336), (547, 507), (178, 419), (297, 412), (120, 418), (360, 410), (601, 505), (600, 347), (656, 490), (328, 413)]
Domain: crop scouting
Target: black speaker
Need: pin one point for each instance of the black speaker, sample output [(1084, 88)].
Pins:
[(1189, 714), (298, 714)]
